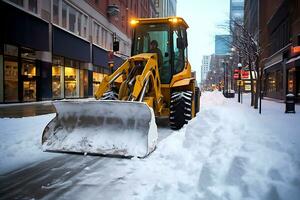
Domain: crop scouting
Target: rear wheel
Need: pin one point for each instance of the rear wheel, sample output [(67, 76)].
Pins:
[(180, 109)]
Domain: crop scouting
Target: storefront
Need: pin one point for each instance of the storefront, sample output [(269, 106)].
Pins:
[(20, 74), (24, 53), (293, 76), (71, 76)]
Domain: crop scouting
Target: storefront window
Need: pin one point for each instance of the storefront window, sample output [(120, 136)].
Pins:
[(57, 77), (71, 80), (271, 87), (97, 79), (29, 82), (83, 83), (291, 80), (10, 81)]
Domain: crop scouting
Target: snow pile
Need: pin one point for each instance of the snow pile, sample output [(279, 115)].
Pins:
[(21, 141), (227, 152)]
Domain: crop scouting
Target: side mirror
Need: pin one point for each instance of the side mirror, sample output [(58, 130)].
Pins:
[(180, 43), (116, 46)]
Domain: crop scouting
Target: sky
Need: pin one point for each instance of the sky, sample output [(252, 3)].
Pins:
[(203, 18)]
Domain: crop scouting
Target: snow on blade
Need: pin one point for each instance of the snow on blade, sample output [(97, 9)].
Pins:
[(102, 127)]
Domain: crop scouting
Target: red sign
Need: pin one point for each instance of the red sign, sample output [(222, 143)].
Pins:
[(245, 74), (236, 71), (295, 50), (236, 76)]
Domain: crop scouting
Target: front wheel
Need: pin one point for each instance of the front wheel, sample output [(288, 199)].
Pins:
[(180, 109)]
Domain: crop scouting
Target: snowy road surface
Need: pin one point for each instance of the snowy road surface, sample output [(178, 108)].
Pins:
[(227, 152)]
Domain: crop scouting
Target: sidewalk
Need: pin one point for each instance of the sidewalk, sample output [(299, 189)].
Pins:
[(18, 110)]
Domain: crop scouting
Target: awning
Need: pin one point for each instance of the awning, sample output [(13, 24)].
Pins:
[(293, 62)]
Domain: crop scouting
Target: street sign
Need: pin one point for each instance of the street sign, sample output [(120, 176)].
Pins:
[(240, 83)]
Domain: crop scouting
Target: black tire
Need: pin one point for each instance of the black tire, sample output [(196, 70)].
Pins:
[(110, 95), (197, 100), (180, 109)]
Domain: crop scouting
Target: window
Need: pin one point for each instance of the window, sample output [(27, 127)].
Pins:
[(178, 53), (55, 12), (10, 81), (18, 2), (57, 77), (79, 19), (72, 19), (155, 33), (32, 5), (64, 15), (85, 26), (96, 38)]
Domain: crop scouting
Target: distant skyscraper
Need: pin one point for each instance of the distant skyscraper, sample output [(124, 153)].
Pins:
[(205, 67), (236, 9), (222, 44)]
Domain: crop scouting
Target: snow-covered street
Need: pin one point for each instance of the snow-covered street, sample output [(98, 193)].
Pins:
[(228, 151)]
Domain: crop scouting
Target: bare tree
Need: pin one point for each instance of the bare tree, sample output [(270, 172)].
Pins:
[(248, 52)]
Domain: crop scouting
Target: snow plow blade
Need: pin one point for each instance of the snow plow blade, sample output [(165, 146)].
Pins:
[(114, 128)]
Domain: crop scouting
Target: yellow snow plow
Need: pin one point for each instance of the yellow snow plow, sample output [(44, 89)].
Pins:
[(156, 81)]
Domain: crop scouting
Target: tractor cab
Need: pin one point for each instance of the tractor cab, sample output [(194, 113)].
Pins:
[(167, 38)]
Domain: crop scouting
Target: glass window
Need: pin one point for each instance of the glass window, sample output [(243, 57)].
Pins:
[(28, 70), (97, 78), (103, 37), (29, 83), (156, 35), (71, 82), (72, 19), (178, 53), (55, 12), (83, 83), (79, 18), (10, 81), (10, 50), (57, 78), (18, 2), (64, 14), (85, 26), (97, 36), (32, 5), (291, 80)]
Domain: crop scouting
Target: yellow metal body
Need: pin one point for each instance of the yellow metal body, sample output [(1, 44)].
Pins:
[(158, 95)]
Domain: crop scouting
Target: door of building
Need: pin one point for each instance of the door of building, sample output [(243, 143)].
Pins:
[(28, 80)]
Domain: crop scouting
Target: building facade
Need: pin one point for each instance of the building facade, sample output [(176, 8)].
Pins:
[(205, 67), (222, 44), (278, 33), (236, 9), (165, 8), (60, 48)]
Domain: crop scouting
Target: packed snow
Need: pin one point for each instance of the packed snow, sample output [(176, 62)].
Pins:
[(21, 141), (228, 151)]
